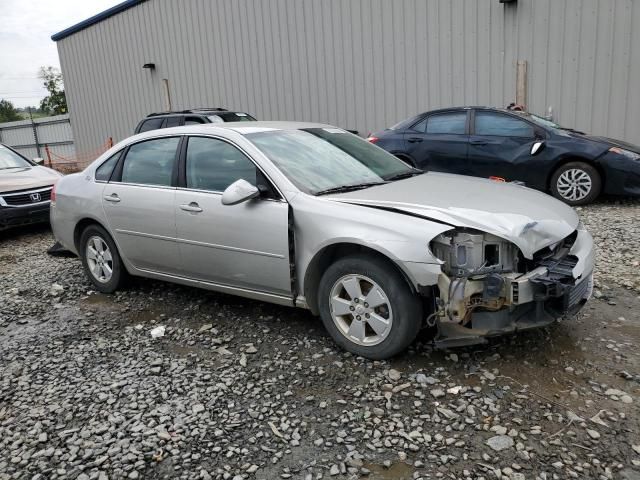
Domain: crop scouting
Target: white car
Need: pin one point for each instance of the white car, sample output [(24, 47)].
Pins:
[(309, 215)]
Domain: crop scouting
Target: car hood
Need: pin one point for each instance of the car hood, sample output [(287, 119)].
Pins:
[(28, 177), (612, 142), (530, 219)]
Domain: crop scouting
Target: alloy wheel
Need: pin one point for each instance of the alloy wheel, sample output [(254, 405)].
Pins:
[(99, 259), (574, 184), (361, 310)]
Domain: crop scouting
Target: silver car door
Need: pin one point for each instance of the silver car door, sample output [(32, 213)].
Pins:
[(139, 205), (244, 245)]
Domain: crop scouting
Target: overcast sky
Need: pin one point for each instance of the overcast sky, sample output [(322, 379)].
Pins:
[(26, 27)]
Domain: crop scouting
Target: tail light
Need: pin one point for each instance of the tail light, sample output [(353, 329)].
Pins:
[(372, 139), (497, 179), (53, 194)]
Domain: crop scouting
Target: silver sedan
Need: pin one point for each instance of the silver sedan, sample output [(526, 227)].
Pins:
[(311, 216)]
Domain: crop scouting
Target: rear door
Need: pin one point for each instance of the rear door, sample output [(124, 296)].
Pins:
[(439, 142), (139, 204), (500, 145)]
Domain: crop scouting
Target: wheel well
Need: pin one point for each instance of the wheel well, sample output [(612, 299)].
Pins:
[(566, 160), (80, 226), (329, 255)]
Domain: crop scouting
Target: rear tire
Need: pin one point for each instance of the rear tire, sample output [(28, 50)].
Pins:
[(368, 308), (576, 183), (101, 260)]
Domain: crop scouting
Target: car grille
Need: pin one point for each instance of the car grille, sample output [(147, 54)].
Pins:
[(27, 197)]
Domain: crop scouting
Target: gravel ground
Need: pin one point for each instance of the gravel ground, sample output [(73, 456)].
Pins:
[(237, 389)]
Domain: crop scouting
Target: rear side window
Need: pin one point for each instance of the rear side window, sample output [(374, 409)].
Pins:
[(104, 171), (495, 124), (150, 162), (214, 165), (172, 122), (447, 123), (151, 124)]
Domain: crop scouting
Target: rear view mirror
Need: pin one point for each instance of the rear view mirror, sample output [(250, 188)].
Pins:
[(38, 161), (238, 192), (537, 148)]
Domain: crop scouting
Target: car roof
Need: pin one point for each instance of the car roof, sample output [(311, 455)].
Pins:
[(196, 111), (243, 128), (469, 107)]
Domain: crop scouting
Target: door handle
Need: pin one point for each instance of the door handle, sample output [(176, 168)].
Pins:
[(112, 198), (414, 140), (192, 207), (478, 142)]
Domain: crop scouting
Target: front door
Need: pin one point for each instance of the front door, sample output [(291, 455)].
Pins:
[(244, 245), (439, 142), (139, 205), (500, 146)]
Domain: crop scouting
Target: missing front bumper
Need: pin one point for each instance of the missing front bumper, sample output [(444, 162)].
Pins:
[(544, 310)]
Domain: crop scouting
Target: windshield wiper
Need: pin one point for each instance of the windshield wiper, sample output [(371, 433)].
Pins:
[(348, 188), (400, 176)]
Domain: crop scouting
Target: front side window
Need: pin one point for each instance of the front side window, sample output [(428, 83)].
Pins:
[(213, 165), (151, 124), (317, 159), (104, 171), (447, 123), (150, 162), (495, 124), (10, 159)]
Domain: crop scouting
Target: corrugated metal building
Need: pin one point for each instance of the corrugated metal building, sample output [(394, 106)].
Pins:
[(359, 64)]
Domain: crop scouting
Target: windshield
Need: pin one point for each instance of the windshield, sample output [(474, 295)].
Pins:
[(10, 159), (232, 117), (543, 121), (318, 159)]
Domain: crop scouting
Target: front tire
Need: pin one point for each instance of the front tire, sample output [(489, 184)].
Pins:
[(368, 308), (576, 183), (101, 260)]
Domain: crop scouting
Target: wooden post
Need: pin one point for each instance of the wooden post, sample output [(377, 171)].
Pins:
[(521, 83), (167, 95), (110, 142), (46, 149)]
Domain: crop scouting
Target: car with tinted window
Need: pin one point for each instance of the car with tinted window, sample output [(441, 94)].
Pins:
[(196, 116), (25, 189), (516, 146), (309, 215)]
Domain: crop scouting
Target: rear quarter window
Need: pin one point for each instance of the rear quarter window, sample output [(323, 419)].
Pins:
[(104, 171)]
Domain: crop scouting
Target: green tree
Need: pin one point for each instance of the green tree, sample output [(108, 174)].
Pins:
[(8, 112), (56, 102)]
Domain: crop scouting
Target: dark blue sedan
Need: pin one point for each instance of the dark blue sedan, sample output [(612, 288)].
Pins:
[(516, 146)]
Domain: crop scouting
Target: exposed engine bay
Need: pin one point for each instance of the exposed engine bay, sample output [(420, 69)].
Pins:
[(487, 287)]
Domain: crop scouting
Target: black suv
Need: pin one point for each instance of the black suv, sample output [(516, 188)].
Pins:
[(194, 116)]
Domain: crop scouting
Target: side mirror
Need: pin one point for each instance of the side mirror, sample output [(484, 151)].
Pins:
[(38, 161), (238, 192), (537, 147)]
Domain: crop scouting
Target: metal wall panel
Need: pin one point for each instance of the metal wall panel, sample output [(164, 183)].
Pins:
[(50, 130), (359, 64)]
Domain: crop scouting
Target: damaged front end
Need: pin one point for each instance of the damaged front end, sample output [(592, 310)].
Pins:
[(488, 287)]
